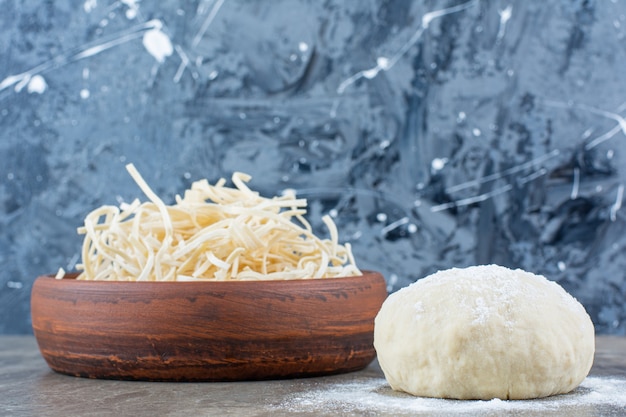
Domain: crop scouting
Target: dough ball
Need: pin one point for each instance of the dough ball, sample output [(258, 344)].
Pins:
[(484, 332)]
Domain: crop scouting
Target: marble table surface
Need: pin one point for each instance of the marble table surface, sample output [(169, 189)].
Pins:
[(29, 388)]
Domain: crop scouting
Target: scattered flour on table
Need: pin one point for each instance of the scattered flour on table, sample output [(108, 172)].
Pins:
[(375, 395)]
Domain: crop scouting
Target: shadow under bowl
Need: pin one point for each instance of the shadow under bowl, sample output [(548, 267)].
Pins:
[(206, 331)]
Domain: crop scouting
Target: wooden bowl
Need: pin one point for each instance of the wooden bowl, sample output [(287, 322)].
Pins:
[(206, 331)]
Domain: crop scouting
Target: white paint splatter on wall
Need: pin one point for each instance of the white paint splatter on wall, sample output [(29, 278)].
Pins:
[(158, 44), (37, 84)]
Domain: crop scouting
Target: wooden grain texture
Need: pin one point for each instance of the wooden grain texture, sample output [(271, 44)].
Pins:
[(206, 331)]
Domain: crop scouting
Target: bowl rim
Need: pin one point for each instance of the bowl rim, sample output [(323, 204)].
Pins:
[(70, 277)]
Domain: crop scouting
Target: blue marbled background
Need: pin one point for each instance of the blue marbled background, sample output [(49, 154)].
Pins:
[(438, 133)]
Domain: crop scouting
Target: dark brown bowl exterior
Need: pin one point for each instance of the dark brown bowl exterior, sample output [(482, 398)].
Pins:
[(206, 331)]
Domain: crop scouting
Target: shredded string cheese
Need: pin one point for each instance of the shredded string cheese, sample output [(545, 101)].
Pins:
[(213, 232), (60, 274)]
